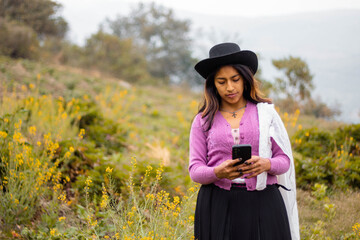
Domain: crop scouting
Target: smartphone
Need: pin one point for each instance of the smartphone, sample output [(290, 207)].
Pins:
[(242, 151)]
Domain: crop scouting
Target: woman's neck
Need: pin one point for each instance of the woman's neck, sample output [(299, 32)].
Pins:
[(232, 107)]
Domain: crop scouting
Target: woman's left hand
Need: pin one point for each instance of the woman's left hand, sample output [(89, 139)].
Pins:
[(254, 166)]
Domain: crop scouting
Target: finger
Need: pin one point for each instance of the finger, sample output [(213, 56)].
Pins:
[(235, 175), (247, 166), (234, 161), (254, 174), (251, 168), (253, 159), (250, 161)]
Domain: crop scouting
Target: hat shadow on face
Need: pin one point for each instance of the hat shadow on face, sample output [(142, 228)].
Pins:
[(226, 54)]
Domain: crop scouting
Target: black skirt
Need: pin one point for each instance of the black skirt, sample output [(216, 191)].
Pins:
[(239, 214)]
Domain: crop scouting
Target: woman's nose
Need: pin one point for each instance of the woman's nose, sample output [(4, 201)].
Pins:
[(229, 87)]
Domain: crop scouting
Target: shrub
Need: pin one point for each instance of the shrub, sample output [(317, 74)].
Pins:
[(313, 143), (17, 40), (328, 158)]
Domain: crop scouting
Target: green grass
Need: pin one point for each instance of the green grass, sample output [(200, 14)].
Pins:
[(126, 177)]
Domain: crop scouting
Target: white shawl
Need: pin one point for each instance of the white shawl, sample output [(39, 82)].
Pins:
[(271, 125)]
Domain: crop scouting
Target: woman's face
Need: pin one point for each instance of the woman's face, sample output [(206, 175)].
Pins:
[(230, 85)]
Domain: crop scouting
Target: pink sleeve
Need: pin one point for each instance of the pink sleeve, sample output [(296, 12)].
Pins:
[(280, 162), (198, 169)]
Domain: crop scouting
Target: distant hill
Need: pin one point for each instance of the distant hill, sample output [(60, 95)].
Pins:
[(328, 41)]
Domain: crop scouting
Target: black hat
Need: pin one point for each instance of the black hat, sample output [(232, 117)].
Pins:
[(225, 54)]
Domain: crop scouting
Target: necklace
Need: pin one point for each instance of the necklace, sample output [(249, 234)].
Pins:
[(234, 112)]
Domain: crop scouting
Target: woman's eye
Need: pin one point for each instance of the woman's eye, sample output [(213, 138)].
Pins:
[(235, 80), (221, 83)]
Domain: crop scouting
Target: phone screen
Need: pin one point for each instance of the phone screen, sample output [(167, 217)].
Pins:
[(242, 151)]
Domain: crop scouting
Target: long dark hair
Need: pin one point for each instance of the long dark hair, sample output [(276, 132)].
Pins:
[(212, 100)]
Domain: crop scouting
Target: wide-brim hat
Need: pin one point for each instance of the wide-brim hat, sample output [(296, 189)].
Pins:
[(226, 54)]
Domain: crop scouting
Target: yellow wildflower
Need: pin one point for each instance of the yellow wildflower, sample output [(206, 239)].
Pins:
[(123, 93), (104, 197), (3, 134), (194, 104), (31, 86), (150, 196), (32, 130), (81, 133), (20, 159), (62, 197), (64, 115), (71, 149), (109, 170), (176, 200), (88, 181), (159, 172), (67, 154), (17, 137), (61, 218)]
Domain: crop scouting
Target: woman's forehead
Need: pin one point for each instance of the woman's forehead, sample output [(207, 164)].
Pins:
[(226, 71)]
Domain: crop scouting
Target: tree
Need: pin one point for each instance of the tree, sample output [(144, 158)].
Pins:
[(163, 39), (40, 15), (118, 57), (319, 109), (17, 40), (297, 83)]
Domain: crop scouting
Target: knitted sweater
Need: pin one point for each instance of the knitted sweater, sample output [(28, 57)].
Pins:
[(209, 149)]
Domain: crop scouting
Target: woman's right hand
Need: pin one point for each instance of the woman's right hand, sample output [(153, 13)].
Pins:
[(227, 169)]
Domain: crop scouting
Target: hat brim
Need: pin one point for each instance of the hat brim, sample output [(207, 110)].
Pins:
[(245, 57)]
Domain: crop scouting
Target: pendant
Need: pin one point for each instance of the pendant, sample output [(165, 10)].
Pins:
[(234, 114)]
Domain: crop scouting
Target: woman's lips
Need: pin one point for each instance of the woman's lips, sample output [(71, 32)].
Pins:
[(231, 95)]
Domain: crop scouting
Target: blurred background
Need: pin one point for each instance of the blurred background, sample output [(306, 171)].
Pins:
[(324, 34), (97, 98)]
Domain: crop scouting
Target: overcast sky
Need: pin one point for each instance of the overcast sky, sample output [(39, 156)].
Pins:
[(84, 16)]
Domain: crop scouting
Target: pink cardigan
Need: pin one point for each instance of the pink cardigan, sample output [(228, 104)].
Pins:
[(209, 149)]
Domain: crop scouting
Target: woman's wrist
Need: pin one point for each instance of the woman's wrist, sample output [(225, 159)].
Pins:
[(268, 164), (217, 172)]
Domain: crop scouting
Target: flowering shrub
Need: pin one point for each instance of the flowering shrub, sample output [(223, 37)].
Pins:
[(330, 158)]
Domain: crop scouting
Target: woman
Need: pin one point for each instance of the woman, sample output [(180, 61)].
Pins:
[(240, 201)]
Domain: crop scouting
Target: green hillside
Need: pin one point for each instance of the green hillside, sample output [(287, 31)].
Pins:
[(85, 155)]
